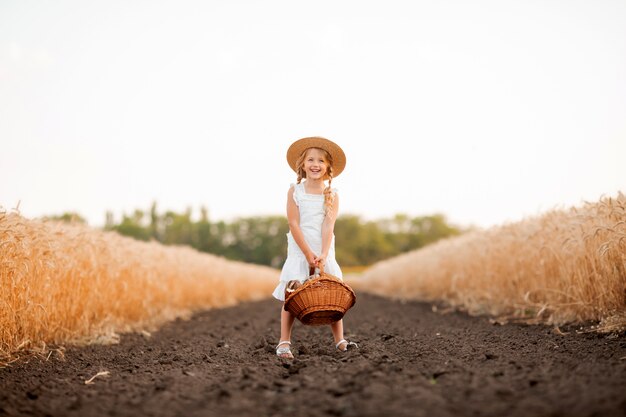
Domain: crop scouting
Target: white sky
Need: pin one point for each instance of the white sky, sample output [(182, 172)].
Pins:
[(486, 111)]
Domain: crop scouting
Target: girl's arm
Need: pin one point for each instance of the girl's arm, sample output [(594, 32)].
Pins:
[(328, 227), (293, 218)]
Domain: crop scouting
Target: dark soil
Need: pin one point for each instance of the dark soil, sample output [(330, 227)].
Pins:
[(411, 362)]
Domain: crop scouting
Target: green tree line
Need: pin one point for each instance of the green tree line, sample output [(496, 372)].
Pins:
[(262, 239)]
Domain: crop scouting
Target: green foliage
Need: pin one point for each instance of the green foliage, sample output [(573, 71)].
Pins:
[(366, 242), (262, 240), (132, 226), (68, 217)]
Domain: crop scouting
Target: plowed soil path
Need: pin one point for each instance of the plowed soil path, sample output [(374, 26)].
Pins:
[(411, 362)]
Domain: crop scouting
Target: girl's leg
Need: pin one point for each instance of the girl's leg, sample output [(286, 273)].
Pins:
[(286, 323), (337, 328)]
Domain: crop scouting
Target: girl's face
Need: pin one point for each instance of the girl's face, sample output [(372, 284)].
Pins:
[(315, 164)]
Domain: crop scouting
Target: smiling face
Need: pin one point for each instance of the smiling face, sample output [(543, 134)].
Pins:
[(315, 164)]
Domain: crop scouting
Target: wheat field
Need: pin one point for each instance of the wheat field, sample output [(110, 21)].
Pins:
[(63, 283), (565, 266)]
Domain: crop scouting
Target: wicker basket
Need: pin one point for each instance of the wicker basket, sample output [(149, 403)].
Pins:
[(320, 300)]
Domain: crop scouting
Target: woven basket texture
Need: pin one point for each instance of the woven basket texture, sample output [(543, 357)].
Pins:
[(321, 300)]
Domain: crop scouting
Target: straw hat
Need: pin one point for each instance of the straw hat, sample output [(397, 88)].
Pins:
[(298, 147)]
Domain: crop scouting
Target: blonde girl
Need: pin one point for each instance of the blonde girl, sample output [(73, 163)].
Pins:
[(312, 208)]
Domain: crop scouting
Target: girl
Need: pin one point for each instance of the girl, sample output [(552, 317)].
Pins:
[(312, 210)]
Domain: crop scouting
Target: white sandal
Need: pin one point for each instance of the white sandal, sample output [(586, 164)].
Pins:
[(349, 345), (286, 350)]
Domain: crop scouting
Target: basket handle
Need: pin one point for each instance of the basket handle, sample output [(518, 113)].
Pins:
[(312, 270)]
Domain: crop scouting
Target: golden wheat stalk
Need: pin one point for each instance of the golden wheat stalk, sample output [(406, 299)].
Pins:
[(561, 267), (62, 282)]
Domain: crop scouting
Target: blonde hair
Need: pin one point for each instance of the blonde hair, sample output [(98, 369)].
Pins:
[(329, 196)]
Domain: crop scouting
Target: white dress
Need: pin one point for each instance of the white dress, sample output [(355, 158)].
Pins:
[(311, 207)]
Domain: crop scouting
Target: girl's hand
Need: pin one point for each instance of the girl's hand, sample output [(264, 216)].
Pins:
[(311, 258), (320, 261)]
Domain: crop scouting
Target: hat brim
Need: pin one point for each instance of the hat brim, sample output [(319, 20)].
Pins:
[(298, 147)]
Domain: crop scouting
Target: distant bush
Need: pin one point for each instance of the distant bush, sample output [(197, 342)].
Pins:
[(262, 240)]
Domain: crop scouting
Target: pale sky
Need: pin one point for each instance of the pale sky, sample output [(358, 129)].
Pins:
[(485, 111)]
